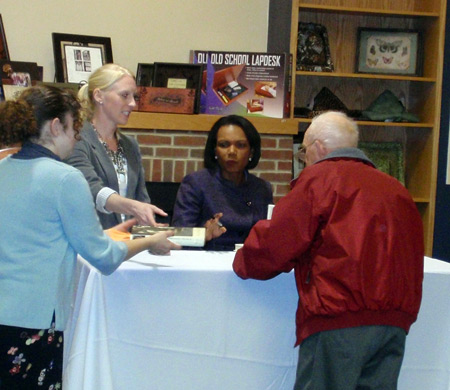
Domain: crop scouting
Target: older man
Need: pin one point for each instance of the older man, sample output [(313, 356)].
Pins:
[(354, 238)]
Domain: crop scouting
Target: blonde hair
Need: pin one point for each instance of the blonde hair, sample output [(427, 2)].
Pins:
[(102, 79), (335, 130)]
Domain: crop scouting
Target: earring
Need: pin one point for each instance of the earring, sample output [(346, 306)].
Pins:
[(215, 157), (249, 159)]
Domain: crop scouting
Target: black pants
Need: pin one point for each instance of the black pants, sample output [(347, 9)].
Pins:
[(30, 358), (361, 358)]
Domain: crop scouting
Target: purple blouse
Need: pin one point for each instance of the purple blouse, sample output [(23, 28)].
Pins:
[(205, 193)]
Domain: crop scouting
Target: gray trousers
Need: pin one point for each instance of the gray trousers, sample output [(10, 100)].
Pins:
[(360, 358)]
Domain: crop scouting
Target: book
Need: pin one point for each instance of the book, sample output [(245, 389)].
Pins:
[(184, 236)]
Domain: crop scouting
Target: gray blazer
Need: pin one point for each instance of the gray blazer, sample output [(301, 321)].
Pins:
[(91, 158)]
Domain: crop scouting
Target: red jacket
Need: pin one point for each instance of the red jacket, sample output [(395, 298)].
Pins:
[(354, 237)]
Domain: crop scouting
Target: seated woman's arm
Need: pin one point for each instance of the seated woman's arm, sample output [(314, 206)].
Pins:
[(188, 209)]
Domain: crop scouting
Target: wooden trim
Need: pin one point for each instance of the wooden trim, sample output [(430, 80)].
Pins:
[(201, 122)]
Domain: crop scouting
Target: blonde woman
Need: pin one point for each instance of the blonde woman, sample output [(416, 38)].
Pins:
[(110, 160)]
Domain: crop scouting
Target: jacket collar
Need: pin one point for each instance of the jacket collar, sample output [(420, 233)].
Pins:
[(348, 153), (31, 150), (342, 153)]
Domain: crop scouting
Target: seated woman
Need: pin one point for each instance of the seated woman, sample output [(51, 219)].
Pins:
[(224, 190), (109, 160)]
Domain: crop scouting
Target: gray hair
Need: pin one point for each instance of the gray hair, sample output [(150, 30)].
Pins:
[(334, 130)]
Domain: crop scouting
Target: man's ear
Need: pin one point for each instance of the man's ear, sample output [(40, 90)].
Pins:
[(323, 151)]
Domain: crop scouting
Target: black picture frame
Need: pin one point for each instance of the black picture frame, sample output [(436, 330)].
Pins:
[(77, 56), (4, 52), (389, 51), (179, 75), (144, 75)]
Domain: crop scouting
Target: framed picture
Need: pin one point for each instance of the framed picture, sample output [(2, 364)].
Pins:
[(4, 53), (387, 157), (389, 51), (77, 56), (179, 75), (144, 75), (19, 73), (313, 49)]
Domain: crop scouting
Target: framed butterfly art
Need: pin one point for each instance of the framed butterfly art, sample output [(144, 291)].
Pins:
[(389, 51)]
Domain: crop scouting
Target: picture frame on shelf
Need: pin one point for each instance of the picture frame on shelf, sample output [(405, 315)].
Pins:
[(313, 48), (388, 157), (77, 56), (4, 53), (389, 51), (144, 75), (19, 73)]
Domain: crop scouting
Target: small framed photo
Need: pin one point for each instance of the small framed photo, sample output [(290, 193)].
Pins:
[(389, 51), (77, 56), (23, 74), (144, 75), (4, 53)]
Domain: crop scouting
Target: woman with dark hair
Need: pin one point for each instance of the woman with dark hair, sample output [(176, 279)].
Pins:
[(224, 197), (47, 218)]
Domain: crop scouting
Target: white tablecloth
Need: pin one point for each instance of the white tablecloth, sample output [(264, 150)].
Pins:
[(185, 321), (426, 365)]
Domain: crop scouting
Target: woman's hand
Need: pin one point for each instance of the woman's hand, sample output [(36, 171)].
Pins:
[(214, 227), (145, 213), (162, 246), (157, 244)]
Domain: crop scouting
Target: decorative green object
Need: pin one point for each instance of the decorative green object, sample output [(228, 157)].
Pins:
[(388, 108), (387, 157)]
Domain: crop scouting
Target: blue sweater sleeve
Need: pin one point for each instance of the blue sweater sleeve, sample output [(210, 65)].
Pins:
[(82, 227)]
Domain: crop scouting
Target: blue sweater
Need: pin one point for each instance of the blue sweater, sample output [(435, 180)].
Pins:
[(47, 217), (205, 193)]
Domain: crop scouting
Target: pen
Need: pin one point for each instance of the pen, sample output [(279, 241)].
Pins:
[(218, 222)]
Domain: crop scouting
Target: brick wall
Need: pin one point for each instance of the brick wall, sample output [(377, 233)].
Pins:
[(169, 155)]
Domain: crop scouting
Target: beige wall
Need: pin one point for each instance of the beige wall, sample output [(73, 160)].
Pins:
[(140, 30)]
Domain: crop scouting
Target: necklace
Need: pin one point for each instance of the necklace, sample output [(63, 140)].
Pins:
[(117, 157)]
